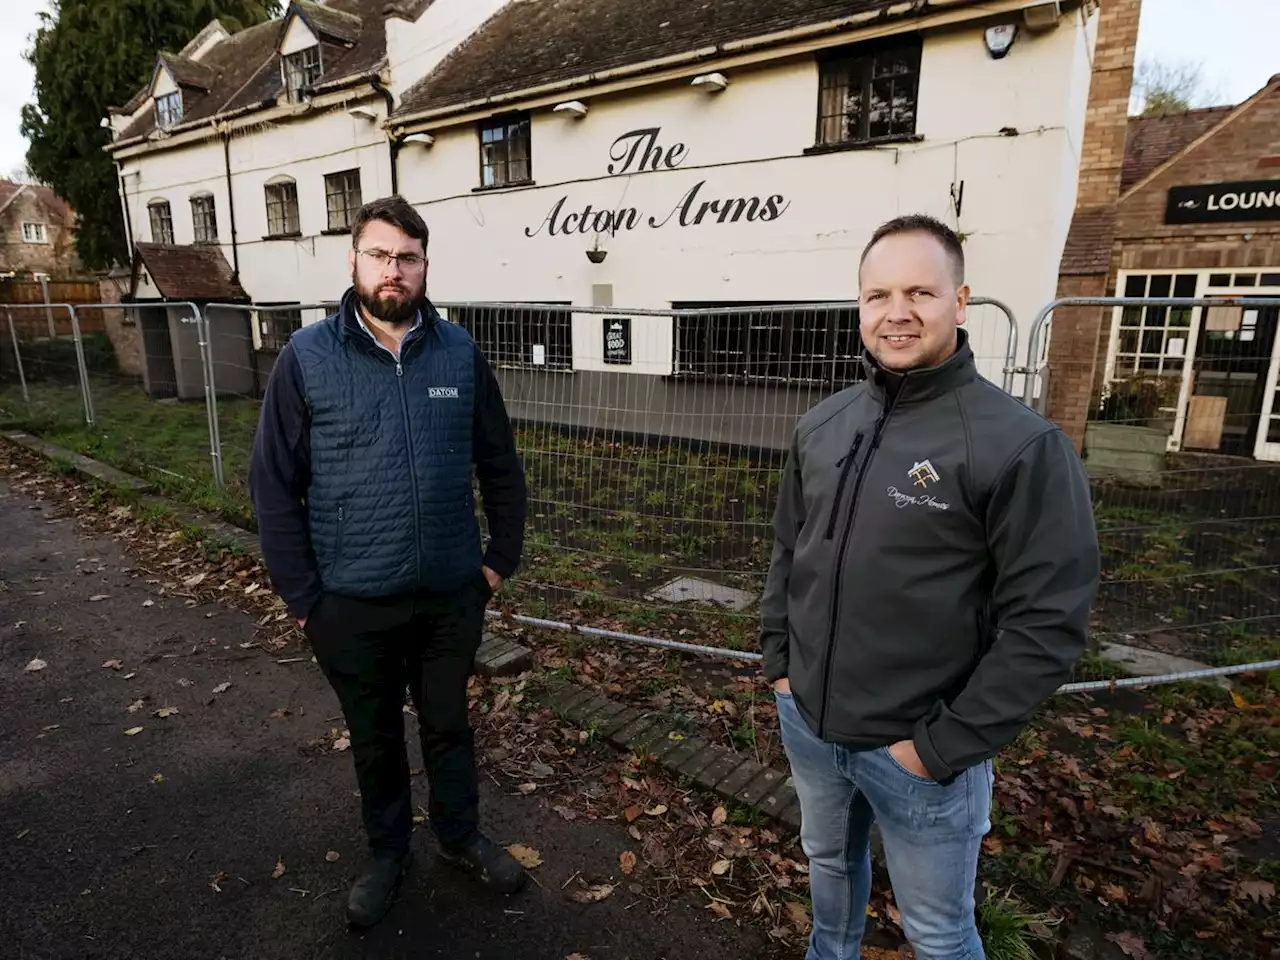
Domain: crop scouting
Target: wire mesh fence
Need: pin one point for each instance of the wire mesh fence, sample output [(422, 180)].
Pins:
[(1172, 402), (653, 441)]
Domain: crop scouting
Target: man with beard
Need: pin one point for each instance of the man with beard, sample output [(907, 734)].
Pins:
[(372, 425)]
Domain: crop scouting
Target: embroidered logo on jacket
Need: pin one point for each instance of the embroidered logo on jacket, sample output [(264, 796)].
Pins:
[(923, 474), (442, 393)]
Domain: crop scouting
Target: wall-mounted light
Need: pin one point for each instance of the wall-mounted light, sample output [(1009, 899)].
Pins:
[(999, 39), (425, 139), (1043, 16), (711, 82), (574, 108), (363, 113)]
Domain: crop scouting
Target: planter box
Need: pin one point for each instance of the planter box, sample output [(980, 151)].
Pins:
[(1132, 454)]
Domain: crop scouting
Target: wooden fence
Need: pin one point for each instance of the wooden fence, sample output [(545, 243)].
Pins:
[(35, 323)]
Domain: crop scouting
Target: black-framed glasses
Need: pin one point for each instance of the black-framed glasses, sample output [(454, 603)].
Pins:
[(408, 262)]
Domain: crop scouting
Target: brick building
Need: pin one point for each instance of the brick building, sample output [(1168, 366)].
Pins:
[(1174, 205), (37, 233)]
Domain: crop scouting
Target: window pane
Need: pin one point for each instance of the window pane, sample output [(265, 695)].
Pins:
[(1220, 280), (1135, 286), (1269, 280), (1180, 317), (1185, 285), (1246, 280), (1128, 341), (1152, 341), (1161, 284)]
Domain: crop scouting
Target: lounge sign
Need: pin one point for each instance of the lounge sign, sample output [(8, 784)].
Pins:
[(1224, 202), (639, 151)]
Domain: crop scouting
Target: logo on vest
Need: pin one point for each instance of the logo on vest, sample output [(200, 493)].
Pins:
[(901, 499), (442, 393)]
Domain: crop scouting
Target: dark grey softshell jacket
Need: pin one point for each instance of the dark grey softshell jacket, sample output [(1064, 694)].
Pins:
[(934, 565)]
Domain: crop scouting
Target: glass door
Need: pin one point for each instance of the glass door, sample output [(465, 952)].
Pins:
[(1267, 443)]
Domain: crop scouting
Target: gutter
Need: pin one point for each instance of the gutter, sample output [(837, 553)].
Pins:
[(934, 13), (231, 203), (394, 143)]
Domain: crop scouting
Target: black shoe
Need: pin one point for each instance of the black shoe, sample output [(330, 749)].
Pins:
[(488, 863), (375, 890)]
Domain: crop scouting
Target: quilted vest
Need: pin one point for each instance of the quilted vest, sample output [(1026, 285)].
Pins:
[(390, 502)]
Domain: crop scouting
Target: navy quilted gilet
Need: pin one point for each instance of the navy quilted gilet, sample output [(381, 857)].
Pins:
[(390, 503)]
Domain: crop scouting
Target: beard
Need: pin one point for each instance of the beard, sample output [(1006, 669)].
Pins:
[(391, 302)]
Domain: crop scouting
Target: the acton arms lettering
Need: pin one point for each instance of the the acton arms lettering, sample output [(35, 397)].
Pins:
[(640, 152)]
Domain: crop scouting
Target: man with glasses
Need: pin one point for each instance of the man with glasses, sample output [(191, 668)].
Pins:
[(374, 422)]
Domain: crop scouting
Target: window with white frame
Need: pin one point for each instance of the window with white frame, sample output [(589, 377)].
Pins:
[(1154, 340), (342, 198), (282, 208), (35, 233), (301, 71), (204, 218), (169, 110), (161, 221)]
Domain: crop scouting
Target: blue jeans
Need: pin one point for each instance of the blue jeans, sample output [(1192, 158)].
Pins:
[(932, 836)]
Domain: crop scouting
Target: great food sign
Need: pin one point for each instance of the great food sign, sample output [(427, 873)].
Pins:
[(1224, 202), (640, 151)]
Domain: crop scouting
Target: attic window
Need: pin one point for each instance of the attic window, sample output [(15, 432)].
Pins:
[(301, 71), (169, 110)]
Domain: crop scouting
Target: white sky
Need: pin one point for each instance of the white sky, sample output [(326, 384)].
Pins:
[(1234, 40)]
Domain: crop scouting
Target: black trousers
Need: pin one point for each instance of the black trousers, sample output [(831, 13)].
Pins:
[(370, 651)]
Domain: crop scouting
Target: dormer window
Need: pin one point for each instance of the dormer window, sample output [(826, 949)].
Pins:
[(169, 110), (301, 71)]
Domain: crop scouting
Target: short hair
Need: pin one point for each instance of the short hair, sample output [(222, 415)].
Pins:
[(396, 211), (920, 223)]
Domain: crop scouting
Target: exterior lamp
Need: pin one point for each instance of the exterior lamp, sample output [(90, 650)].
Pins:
[(999, 39)]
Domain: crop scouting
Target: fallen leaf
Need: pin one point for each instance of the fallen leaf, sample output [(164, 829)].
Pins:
[(148, 603), (719, 909), (632, 784), (1132, 944), (34, 665), (577, 956), (1257, 890), (222, 687), (527, 788), (129, 676), (133, 731), (112, 665), (565, 812), (333, 856), (218, 878), (797, 915), (194, 581), (158, 778), (1240, 702), (527, 857), (719, 816), (721, 867), (342, 743), (540, 770), (591, 894), (136, 706), (657, 811), (627, 861), (635, 832), (631, 813), (99, 596), (278, 872), (165, 712)]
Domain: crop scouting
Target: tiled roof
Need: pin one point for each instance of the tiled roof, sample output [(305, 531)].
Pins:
[(409, 10), (328, 22), (246, 66), (190, 272), (1153, 140), (529, 43), (189, 73), (1087, 251), (9, 190)]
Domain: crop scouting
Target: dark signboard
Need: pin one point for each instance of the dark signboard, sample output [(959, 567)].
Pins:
[(1224, 202), (617, 339)]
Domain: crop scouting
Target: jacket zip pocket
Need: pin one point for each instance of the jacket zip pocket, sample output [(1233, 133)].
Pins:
[(846, 464), (341, 523)]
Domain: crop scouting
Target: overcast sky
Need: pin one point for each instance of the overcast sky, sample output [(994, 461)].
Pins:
[(1235, 41)]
